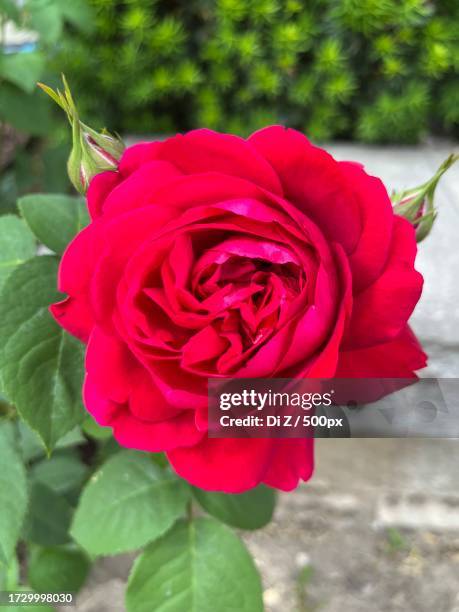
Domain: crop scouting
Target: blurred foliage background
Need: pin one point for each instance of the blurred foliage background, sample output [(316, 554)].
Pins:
[(374, 70), (378, 71)]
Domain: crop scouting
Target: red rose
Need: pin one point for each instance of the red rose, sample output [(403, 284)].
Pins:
[(213, 256)]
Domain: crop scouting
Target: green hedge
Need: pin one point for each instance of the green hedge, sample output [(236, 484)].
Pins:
[(374, 70)]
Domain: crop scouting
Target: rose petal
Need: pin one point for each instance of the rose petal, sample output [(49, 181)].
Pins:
[(110, 365), (78, 259), (324, 363), (207, 151), (381, 311), (99, 406), (136, 190), (369, 257), (137, 155), (74, 315), (205, 345), (291, 461), (163, 436), (312, 181), (99, 188), (398, 358), (228, 465)]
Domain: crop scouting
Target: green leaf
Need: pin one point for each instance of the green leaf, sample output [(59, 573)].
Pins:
[(61, 473), (198, 566), (32, 447), (95, 431), (9, 575), (41, 365), (49, 517), (30, 443), (108, 449), (22, 69), (54, 219), (59, 569), (13, 492), (250, 510), (16, 245), (129, 502)]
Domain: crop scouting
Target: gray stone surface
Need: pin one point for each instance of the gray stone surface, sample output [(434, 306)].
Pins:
[(377, 528), (378, 525)]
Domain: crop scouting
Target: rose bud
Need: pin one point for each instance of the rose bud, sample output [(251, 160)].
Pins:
[(92, 151), (417, 204)]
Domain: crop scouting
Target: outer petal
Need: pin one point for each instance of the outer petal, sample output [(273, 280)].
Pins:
[(75, 316), (369, 257), (75, 313), (122, 235), (136, 190), (109, 366), (382, 310), (236, 465), (118, 376), (99, 188), (226, 464), (77, 262), (132, 432), (313, 181), (162, 436), (398, 358), (207, 151), (292, 461), (99, 407), (138, 155)]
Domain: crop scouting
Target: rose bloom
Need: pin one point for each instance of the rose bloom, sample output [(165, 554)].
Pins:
[(212, 256)]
